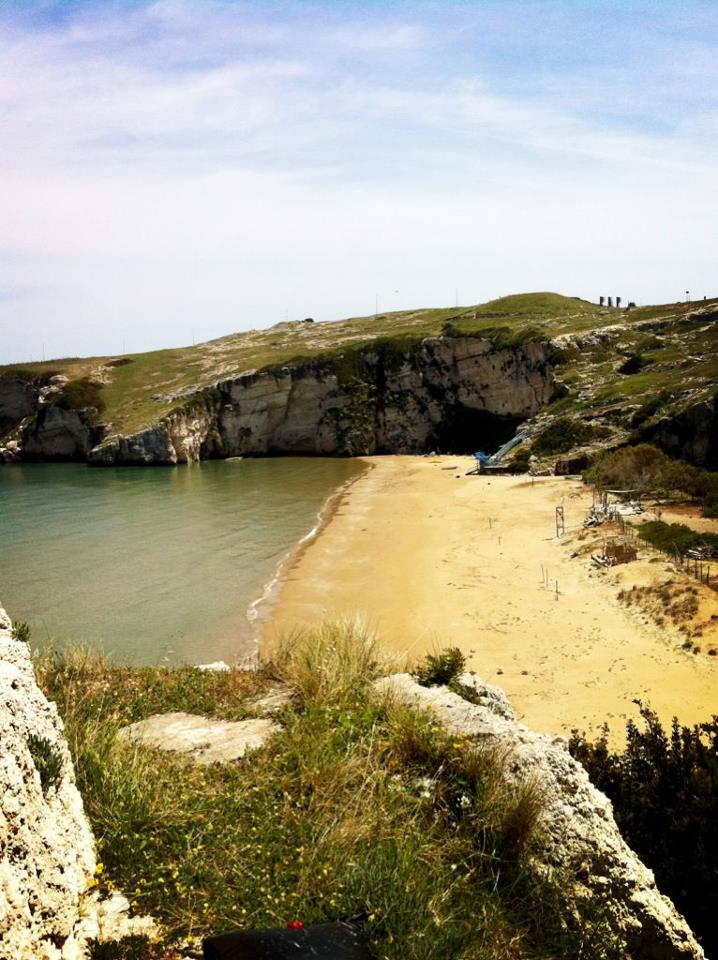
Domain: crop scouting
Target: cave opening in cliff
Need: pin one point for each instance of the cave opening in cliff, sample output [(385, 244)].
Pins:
[(465, 430)]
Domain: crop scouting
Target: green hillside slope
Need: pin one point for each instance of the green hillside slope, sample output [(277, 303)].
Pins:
[(612, 361)]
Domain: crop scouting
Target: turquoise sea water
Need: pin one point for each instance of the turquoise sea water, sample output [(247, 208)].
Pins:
[(154, 564)]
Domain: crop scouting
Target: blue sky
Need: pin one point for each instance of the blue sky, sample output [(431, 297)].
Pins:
[(177, 170)]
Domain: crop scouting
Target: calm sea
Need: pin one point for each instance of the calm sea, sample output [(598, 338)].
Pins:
[(154, 564)]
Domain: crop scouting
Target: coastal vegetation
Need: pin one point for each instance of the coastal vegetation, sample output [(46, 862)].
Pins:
[(664, 789), (676, 538), (359, 806), (649, 472), (81, 394), (566, 433)]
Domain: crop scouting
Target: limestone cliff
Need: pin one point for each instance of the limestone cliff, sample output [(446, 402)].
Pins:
[(47, 852), (48, 908), (382, 399)]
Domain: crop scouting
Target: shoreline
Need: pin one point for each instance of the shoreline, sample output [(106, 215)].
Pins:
[(431, 558), (259, 611)]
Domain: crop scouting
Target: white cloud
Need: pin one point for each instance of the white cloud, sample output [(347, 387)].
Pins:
[(206, 166)]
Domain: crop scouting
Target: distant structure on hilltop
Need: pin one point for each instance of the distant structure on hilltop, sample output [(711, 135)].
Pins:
[(608, 302)]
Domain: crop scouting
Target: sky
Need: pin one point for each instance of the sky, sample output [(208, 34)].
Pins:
[(177, 170)]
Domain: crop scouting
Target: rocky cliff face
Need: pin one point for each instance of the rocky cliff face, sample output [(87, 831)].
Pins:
[(18, 399), (442, 392), (691, 434), (49, 909), (47, 852), (580, 837)]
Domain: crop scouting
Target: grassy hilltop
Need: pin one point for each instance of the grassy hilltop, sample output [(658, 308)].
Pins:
[(651, 355)]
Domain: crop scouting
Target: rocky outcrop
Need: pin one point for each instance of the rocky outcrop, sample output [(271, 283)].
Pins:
[(690, 434), (18, 399), (441, 392), (57, 434), (47, 849), (48, 908), (580, 837), (202, 739)]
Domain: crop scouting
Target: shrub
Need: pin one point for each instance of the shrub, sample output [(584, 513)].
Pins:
[(650, 471), (675, 537), (440, 668), (565, 433), (521, 460), (21, 631), (634, 363), (510, 338), (450, 329), (119, 362), (664, 789), (81, 394), (47, 760)]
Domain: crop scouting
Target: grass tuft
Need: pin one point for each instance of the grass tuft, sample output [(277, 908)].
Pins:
[(331, 663), (441, 667)]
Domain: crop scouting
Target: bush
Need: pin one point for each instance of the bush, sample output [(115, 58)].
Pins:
[(47, 760), (521, 460), (651, 472), (664, 790), (119, 362), (81, 394), (440, 668), (21, 631), (565, 433), (450, 329), (634, 363), (675, 537)]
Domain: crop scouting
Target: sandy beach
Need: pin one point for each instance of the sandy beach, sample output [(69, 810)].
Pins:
[(431, 557)]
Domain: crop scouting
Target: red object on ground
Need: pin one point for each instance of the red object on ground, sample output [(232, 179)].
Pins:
[(295, 925)]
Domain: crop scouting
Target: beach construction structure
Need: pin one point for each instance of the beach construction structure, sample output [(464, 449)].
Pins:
[(484, 462)]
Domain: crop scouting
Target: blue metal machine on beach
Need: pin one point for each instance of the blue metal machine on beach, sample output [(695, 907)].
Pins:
[(484, 461)]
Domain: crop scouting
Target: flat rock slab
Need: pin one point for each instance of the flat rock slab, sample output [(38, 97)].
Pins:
[(273, 701), (204, 740)]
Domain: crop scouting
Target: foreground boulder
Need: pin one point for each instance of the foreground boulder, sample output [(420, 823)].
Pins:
[(201, 739), (49, 909), (46, 846), (580, 835)]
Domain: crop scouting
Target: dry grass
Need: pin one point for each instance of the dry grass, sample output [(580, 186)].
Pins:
[(330, 663), (361, 805)]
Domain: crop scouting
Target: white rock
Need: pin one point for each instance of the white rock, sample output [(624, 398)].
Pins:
[(204, 740), (578, 822), (47, 851)]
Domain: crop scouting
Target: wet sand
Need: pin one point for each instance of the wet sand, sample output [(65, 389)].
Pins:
[(432, 558)]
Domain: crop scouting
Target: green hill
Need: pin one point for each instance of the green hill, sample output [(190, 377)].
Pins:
[(613, 362)]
